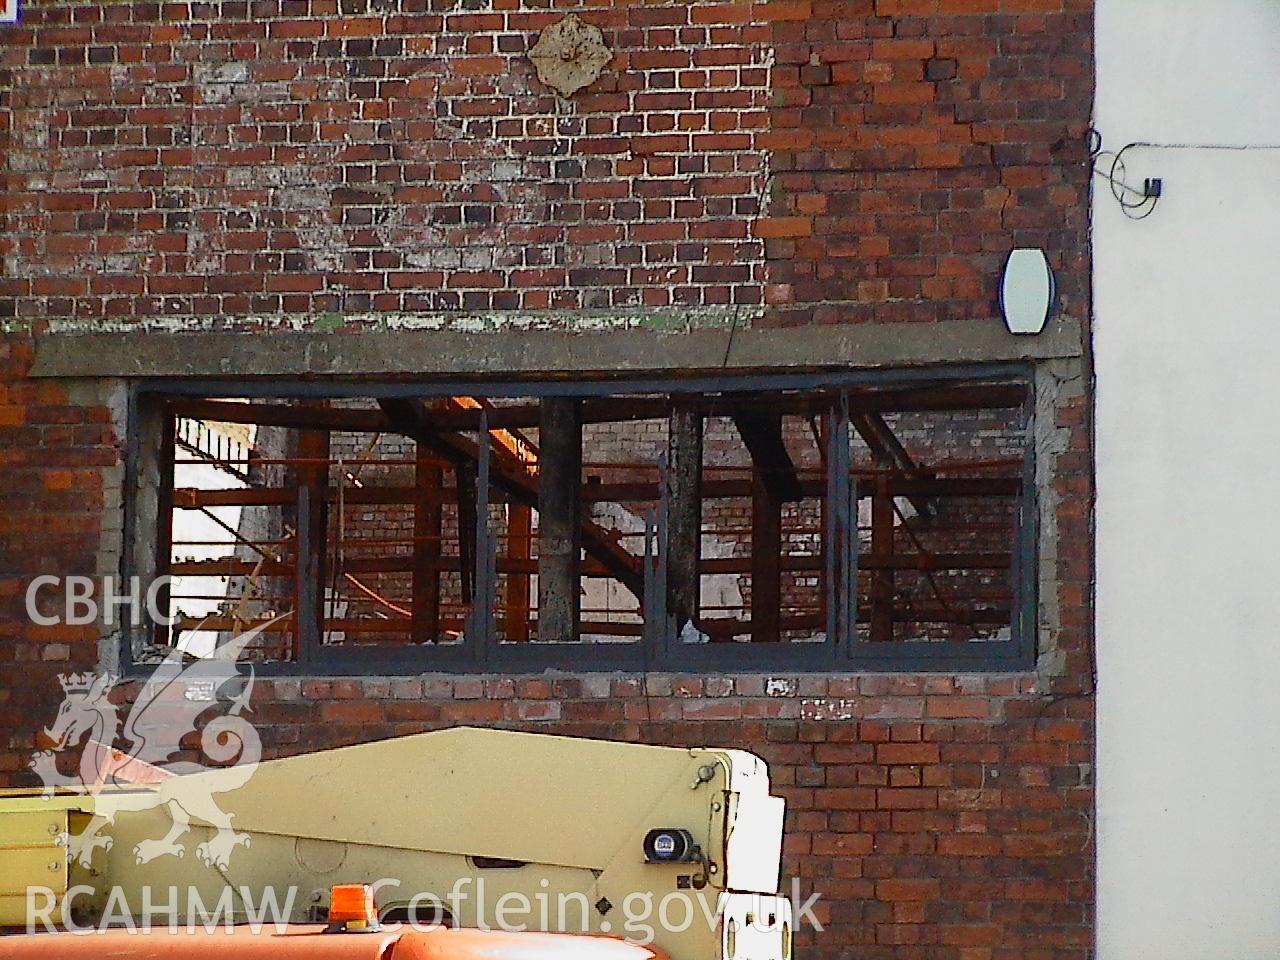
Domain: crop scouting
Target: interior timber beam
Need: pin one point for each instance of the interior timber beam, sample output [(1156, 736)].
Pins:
[(291, 415), (465, 482), (886, 447), (762, 434), (766, 560), (972, 396), (684, 514), (980, 396), (514, 479), (312, 521), (428, 527), (560, 521)]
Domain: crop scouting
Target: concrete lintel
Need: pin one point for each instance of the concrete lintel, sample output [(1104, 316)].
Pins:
[(533, 353)]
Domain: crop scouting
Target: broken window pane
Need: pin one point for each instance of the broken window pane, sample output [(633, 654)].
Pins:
[(672, 529)]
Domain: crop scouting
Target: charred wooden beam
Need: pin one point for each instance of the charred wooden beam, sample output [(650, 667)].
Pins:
[(313, 535), (559, 520), (939, 397), (886, 447), (684, 513), (294, 415), (461, 417), (465, 479), (762, 434), (428, 524), (516, 481), (766, 559)]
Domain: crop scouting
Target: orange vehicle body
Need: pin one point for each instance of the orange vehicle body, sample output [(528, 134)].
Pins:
[(312, 942)]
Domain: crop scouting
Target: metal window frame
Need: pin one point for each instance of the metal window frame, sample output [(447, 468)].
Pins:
[(658, 650)]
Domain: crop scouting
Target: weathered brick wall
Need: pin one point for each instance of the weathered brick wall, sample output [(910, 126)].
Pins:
[(231, 158), (911, 142), (220, 159), (55, 455), (940, 817)]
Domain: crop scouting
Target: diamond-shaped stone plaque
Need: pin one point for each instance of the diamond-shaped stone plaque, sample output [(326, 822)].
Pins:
[(570, 55)]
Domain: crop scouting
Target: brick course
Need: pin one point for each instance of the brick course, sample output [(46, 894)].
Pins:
[(910, 142), (53, 452)]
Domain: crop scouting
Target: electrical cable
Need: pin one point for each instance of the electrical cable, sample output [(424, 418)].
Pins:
[(1114, 175), (1147, 202)]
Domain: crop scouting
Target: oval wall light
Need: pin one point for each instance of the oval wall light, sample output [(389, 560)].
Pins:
[(1027, 291)]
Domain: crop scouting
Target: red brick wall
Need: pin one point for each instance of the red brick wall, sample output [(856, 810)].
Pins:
[(944, 817), (225, 158), (52, 454), (937, 816), (940, 817), (911, 141)]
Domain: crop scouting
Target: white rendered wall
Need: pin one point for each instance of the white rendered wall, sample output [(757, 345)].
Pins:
[(1187, 306)]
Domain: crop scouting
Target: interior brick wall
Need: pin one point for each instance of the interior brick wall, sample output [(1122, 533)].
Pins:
[(630, 450)]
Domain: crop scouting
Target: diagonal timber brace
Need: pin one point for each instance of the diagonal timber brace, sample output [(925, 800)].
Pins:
[(515, 479), (762, 434), (882, 442)]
